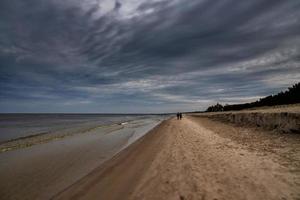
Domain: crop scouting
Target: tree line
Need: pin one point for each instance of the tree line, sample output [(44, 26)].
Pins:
[(290, 96)]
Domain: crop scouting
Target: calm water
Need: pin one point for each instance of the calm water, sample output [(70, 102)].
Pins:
[(14, 126)]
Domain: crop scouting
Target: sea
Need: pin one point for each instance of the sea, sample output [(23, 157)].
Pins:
[(17, 126)]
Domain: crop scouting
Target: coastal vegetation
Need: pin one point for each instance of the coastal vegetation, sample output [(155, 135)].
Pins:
[(290, 96)]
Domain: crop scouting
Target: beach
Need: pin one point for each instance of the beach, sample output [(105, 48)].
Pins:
[(40, 166), (149, 100), (193, 158), (189, 159)]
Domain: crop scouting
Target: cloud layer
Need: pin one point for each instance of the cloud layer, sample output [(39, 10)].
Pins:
[(144, 55)]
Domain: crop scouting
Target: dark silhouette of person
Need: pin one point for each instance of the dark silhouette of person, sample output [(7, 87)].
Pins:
[(178, 116)]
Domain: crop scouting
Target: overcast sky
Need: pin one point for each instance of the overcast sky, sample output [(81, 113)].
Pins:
[(144, 55)]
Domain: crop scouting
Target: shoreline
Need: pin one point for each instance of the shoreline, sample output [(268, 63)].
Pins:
[(114, 167), (175, 159), (35, 139), (191, 159), (42, 170), (45, 137)]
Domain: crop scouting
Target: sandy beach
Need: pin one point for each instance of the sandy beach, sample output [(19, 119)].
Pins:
[(197, 158), (193, 158), (149, 100)]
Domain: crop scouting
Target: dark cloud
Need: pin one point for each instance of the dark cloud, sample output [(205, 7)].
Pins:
[(118, 5), (105, 56)]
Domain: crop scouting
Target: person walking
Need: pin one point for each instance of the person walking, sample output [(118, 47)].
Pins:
[(178, 116)]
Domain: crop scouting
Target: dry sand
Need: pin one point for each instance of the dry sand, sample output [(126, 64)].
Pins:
[(196, 158)]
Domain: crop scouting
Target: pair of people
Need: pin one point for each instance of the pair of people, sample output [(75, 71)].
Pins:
[(179, 116)]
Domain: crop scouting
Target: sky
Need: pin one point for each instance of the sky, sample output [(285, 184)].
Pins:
[(144, 56)]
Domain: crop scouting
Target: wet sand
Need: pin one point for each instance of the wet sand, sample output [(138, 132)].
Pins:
[(197, 158), (42, 170)]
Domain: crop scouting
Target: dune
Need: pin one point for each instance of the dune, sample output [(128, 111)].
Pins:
[(285, 119)]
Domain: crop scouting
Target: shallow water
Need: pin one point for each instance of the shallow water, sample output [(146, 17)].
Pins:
[(42, 170), (13, 126)]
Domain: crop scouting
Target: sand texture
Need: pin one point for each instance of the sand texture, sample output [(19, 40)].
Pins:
[(197, 158)]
